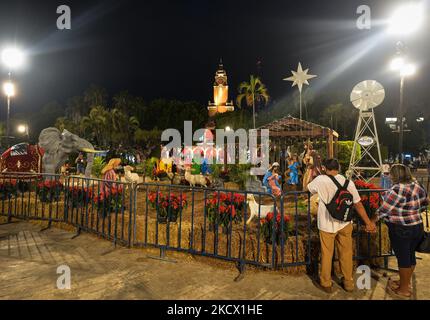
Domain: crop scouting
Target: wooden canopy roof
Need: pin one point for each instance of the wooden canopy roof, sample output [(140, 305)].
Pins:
[(296, 128)]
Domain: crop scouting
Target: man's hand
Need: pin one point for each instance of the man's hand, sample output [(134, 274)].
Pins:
[(371, 227)]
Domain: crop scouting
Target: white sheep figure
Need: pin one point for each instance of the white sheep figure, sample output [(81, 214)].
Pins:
[(266, 209), (254, 206), (194, 180), (130, 177)]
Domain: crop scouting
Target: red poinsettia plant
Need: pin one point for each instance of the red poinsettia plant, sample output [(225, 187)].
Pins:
[(368, 198), (270, 224), (8, 188), (109, 200), (223, 208), (79, 196), (168, 206), (49, 190)]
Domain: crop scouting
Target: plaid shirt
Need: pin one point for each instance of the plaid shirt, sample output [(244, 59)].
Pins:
[(403, 204)]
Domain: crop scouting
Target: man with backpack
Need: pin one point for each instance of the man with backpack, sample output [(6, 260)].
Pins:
[(338, 197)]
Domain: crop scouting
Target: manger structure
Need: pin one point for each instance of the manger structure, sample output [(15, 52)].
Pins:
[(288, 135)]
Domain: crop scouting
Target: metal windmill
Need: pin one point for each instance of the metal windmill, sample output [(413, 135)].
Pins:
[(366, 96)]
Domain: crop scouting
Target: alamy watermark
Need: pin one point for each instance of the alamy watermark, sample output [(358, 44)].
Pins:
[(64, 281), (364, 281), (364, 21), (252, 148), (64, 21)]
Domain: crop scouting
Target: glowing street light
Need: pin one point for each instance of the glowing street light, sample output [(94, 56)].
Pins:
[(406, 19), (408, 70), (9, 89), (12, 58), (397, 63), (404, 68), (22, 128)]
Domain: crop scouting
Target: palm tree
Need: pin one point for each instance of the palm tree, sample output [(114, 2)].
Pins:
[(253, 91), (98, 123), (123, 101), (124, 125), (76, 109), (95, 96), (63, 123)]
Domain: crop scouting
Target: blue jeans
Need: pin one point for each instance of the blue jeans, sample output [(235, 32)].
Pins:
[(405, 241), (80, 169)]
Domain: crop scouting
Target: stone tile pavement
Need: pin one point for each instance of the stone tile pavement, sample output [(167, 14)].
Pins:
[(29, 259)]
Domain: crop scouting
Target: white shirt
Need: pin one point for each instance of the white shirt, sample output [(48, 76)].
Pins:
[(326, 190)]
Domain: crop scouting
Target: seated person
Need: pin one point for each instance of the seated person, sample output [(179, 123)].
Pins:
[(271, 180)]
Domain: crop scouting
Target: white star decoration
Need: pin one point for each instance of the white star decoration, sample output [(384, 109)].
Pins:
[(300, 77)]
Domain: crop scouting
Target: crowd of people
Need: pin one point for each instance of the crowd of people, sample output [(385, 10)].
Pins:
[(401, 209), (301, 170)]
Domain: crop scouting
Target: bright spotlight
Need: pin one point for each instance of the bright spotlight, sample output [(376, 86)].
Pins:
[(12, 58), (406, 19), (228, 129), (9, 89), (397, 64), (408, 70), (22, 128)]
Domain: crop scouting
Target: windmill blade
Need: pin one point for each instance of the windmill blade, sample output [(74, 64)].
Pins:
[(367, 95)]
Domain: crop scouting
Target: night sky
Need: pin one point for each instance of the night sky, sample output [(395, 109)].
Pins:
[(171, 49)]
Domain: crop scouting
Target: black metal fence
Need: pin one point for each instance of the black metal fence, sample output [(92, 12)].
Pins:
[(244, 227)]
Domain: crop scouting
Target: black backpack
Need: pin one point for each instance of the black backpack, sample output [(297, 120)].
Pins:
[(341, 204)]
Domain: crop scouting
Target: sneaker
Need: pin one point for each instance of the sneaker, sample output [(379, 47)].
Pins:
[(328, 290)]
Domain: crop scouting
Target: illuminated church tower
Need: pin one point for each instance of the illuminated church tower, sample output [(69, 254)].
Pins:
[(220, 104)]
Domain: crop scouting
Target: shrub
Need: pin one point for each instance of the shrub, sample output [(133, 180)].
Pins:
[(344, 153), (98, 165)]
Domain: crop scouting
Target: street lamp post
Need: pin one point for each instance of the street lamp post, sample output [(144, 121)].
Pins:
[(405, 20), (401, 126), (9, 90), (12, 58), (405, 69)]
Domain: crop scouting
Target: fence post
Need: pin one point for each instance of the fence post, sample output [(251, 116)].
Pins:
[(131, 220), (66, 200)]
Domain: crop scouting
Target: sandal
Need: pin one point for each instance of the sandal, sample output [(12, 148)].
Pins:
[(395, 284), (395, 294)]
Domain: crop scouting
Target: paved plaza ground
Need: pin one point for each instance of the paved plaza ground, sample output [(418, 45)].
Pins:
[(29, 259)]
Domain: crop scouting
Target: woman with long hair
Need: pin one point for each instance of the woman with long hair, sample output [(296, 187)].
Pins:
[(401, 210), (109, 174)]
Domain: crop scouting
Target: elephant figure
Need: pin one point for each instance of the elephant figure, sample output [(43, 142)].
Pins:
[(58, 146)]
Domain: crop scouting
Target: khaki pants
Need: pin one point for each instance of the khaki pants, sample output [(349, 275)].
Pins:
[(343, 240)]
